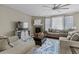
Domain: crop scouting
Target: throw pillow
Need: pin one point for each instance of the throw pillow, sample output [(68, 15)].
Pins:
[(75, 37), (70, 33), (68, 37)]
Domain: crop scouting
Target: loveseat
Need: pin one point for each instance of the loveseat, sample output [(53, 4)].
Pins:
[(19, 46)]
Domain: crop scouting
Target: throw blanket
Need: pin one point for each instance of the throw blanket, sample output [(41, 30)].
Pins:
[(50, 46)]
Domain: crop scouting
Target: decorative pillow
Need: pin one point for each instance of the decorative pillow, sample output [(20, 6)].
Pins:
[(70, 34), (75, 37), (68, 37), (41, 35)]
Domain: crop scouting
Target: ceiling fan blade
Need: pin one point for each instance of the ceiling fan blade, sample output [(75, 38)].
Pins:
[(62, 8), (58, 5), (47, 6), (64, 5)]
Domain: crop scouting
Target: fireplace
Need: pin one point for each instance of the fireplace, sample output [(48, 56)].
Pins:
[(37, 29)]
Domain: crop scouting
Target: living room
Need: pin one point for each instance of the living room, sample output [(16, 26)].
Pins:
[(43, 23)]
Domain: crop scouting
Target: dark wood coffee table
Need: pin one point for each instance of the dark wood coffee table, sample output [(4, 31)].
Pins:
[(38, 41)]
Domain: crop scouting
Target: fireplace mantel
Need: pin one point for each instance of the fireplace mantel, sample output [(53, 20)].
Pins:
[(38, 25)]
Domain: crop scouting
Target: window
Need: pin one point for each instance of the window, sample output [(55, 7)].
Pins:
[(68, 22), (58, 23), (47, 23)]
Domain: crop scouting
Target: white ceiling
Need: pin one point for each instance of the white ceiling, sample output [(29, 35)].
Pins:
[(39, 10)]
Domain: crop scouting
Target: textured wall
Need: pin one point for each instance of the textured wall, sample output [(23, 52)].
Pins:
[(8, 17)]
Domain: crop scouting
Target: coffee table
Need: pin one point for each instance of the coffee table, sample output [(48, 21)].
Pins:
[(39, 41)]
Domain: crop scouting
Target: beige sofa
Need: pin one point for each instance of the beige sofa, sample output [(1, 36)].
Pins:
[(65, 45), (19, 46), (55, 35)]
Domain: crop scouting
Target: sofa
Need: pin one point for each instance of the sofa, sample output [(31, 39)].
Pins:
[(55, 33), (69, 46), (17, 46)]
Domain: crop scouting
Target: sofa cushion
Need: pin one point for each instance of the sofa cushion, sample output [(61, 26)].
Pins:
[(68, 37), (72, 32)]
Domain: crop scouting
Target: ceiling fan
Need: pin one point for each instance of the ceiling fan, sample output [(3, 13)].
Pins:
[(57, 6)]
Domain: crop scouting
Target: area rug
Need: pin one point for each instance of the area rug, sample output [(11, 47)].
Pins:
[(50, 46)]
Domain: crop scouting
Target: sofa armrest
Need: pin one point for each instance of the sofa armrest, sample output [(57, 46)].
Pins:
[(74, 43), (64, 46), (64, 41)]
